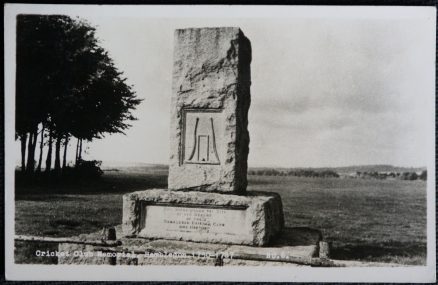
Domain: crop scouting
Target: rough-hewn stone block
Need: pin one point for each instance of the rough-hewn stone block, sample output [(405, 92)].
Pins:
[(209, 110), (253, 219)]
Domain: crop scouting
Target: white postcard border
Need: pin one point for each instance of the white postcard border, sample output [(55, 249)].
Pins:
[(192, 273)]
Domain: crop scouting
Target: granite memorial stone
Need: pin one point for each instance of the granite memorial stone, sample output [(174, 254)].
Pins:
[(210, 102)]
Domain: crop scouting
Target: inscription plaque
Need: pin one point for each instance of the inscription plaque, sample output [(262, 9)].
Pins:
[(186, 221)]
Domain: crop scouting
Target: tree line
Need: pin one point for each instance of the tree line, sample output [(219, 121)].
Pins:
[(295, 172), (327, 173), (393, 175), (67, 87)]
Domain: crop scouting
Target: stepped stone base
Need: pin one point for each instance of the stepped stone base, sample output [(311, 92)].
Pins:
[(294, 247), (253, 219)]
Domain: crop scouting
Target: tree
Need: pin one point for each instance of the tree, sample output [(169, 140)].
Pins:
[(32, 72), (68, 85), (423, 175), (105, 105)]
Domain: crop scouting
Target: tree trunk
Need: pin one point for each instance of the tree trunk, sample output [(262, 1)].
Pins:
[(80, 150), (57, 154), (23, 139), (29, 150), (64, 163), (40, 160), (77, 153), (30, 155), (34, 144), (49, 152)]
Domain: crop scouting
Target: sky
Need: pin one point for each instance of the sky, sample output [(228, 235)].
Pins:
[(327, 90)]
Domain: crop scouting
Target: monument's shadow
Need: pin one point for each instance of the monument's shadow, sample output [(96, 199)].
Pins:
[(297, 236)]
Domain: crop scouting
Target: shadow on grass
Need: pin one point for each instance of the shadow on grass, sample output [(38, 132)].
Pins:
[(108, 183), (384, 252)]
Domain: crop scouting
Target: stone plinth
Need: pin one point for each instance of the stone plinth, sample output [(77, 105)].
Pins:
[(209, 113), (253, 219)]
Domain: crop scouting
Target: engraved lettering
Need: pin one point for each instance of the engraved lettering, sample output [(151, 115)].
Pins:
[(170, 220)]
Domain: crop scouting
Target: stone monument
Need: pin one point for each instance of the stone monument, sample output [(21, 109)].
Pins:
[(206, 199)]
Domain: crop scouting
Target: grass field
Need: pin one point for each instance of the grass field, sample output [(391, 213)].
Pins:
[(368, 220)]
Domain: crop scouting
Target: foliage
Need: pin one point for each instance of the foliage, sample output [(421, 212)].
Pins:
[(423, 175), (409, 176), (88, 169), (391, 175), (295, 172), (330, 173)]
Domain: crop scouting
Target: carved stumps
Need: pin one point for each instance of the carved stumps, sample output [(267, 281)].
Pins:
[(209, 113)]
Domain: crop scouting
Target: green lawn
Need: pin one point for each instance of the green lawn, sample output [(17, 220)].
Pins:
[(370, 220)]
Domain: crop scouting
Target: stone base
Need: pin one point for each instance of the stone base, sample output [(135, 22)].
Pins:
[(254, 219), (294, 247)]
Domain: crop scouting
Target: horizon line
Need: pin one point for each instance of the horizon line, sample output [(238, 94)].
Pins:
[(273, 166)]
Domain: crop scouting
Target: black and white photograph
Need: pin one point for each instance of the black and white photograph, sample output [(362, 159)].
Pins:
[(220, 143)]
